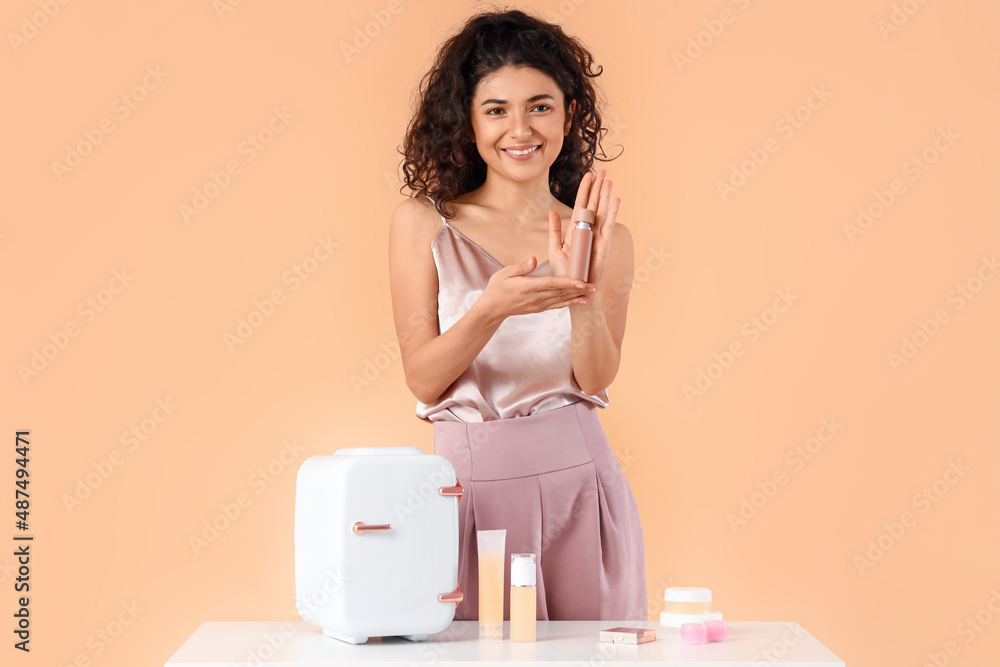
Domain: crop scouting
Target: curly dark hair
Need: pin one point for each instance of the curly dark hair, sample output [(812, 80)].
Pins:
[(440, 156)]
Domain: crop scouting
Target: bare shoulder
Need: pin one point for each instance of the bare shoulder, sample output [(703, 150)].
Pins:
[(415, 219)]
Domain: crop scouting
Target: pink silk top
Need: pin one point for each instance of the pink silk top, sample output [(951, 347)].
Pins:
[(524, 369)]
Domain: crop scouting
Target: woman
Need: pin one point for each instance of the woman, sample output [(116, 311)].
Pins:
[(510, 358)]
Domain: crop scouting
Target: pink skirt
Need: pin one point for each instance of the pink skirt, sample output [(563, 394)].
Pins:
[(552, 481)]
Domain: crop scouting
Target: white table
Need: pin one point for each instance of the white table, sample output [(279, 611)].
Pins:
[(297, 643)]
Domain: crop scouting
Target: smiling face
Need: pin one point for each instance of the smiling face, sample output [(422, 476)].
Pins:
[(518, 109)]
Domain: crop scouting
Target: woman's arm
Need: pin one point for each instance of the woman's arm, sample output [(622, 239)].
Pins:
[(431, 361), (599, 324)]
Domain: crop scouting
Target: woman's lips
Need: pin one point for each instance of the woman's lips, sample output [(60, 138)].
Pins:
[(526, 156)]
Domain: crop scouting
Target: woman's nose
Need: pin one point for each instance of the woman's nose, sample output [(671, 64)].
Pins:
[(520, 125)]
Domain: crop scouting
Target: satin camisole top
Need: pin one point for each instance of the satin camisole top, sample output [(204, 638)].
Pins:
[(524, 369)]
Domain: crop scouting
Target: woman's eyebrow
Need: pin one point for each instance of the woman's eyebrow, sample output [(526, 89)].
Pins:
[(494, 100)]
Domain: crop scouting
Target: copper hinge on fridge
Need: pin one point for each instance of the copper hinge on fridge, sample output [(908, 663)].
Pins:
[(456, 490), (455, 596)]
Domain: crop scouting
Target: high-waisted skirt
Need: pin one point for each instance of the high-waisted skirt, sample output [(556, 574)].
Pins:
[(551, 480)]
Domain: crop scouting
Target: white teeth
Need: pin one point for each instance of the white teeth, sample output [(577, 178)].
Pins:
[(524, 152)]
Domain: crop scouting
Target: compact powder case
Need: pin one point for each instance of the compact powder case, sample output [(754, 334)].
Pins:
[(628, 635)]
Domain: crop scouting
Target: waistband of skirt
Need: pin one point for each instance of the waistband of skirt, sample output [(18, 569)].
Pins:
[(520, 446)]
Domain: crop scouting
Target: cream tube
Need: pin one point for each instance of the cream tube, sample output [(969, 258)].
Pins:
[(491, 545)]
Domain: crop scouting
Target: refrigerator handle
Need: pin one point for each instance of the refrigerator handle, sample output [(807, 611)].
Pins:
[(456, 490)]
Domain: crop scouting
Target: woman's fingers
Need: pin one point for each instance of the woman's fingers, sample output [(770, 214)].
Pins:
[(607, 217), (567, 285), (562, 302), (595, 191), (583, 192), (548, 292), (560, 287), (560, 294), (555, 232)]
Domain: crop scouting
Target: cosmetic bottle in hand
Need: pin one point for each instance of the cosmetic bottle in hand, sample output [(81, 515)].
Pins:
[(580, 244)]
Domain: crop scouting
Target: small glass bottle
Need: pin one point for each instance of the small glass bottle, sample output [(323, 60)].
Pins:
[(523, 598)]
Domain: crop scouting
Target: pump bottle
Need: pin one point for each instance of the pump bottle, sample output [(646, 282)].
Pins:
[(523, 600)]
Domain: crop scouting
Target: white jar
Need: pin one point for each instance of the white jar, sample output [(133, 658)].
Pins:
[(687, 605)]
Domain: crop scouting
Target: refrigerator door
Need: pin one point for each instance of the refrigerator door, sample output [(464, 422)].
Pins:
[(380, 525)]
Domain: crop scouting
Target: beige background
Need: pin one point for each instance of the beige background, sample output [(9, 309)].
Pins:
[(896, 78)]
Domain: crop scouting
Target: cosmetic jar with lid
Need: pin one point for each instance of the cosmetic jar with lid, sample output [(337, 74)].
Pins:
[(684, 604), (694, 633), (717, 631)]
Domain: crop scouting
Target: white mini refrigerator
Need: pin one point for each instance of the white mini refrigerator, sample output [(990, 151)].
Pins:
[(376, 543)]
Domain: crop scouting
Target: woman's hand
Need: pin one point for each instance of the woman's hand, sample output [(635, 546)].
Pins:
[(594, 193), (510, 291)]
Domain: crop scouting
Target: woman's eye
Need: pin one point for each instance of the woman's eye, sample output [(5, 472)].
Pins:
[(546, 107)]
